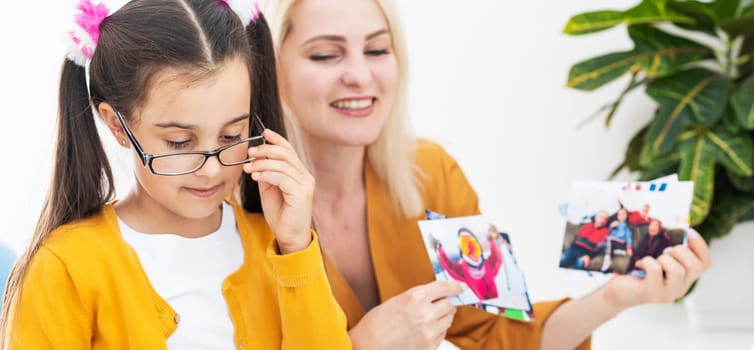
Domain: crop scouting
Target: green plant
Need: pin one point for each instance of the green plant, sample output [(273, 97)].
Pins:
[(694, 59)]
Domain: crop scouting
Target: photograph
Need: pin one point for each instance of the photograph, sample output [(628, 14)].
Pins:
[(612, 225), (473, 251), (520, 305)]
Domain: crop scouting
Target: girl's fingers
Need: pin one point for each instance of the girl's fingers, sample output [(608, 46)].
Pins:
[(276, 152), (277, 139), (283, 182), (272, 165)]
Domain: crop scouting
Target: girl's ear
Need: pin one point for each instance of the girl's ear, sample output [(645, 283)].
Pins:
[(108, 115)]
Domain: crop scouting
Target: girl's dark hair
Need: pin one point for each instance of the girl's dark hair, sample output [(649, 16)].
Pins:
[(145, 36)]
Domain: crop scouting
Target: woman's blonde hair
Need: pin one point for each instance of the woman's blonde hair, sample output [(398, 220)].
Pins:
[(392, 154)]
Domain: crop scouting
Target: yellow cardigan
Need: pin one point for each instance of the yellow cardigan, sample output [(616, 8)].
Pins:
[(85, 289), (400, 260)]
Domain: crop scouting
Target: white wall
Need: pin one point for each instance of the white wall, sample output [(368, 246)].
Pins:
[(487, 82)]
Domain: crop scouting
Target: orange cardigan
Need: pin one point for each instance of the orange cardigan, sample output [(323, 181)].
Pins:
[(85, 289), (401, 262)]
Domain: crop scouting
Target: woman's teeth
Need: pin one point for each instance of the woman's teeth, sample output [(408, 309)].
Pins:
[(353, 104)]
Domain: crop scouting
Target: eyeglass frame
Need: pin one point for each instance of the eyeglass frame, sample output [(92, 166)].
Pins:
[(146, 158)]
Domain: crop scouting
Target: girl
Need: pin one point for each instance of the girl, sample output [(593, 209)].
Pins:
[(374, 180), (620, 240), (188, 85)]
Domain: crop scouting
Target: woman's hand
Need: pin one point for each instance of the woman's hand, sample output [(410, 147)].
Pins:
[(415, 319), (286, 190), (680, 265)]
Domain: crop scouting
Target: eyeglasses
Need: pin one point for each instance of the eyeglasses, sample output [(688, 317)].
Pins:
[(182, 163)]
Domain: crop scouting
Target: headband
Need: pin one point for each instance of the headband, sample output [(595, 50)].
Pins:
[(86, 30)]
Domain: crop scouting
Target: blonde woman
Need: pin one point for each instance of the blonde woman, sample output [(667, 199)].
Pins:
[(341, 65)]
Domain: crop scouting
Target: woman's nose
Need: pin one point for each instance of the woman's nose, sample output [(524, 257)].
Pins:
[(357, 72)]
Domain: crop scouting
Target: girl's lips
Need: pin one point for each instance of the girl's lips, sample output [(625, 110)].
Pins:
[(203, 192)]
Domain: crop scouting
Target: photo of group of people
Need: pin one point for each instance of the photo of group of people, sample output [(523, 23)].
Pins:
[(475, 252), (611, 226)]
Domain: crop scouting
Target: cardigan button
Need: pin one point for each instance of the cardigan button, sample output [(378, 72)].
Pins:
[(242, 345), (177, 318)]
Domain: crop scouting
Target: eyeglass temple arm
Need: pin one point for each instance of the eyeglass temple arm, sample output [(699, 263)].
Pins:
[(132, 138), (259, 120)]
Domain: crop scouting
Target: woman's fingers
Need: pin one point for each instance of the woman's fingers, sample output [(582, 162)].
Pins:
[(675, 277), (692, 265), (653, 279), (700, 248), (437, 290)]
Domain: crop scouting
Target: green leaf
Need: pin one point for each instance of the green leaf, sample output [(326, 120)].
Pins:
[(732, 151), (742, 183), (632, 84), (595, 72), (653, 165), (698, 165), (648, 11), (700, 151), (655, 52), (704, 15), (746, 7), (725, 8), (741, 25), (728, 209), (730, 121), (664, 130), (743, 103), (634, 149), (659, 53), (666, 166), (591, 22), (686, 98)]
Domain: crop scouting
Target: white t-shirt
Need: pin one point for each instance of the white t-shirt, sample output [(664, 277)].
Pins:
[(189, 273)]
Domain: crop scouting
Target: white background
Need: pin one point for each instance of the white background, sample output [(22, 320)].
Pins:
[(487, 82)]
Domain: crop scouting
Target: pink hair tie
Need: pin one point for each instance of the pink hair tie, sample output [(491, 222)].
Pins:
[(85, 34), (247, 10)]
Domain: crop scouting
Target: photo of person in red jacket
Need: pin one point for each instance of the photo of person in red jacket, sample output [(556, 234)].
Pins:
[(585, 246), (473, 268)]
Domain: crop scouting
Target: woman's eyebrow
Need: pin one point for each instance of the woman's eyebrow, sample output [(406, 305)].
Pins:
[(340, 38)]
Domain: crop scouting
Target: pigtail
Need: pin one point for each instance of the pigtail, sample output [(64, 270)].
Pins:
[(265, 100), (82, 181)]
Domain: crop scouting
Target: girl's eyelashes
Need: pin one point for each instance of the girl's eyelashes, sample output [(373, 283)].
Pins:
[(231, 138), (186, 144), (178, 144)]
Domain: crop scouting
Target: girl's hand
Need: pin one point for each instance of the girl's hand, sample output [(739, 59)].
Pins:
[(286, 190), (415, 319), (681, 266)]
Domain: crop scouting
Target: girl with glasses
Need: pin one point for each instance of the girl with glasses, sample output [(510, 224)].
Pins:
[(174, 264)]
